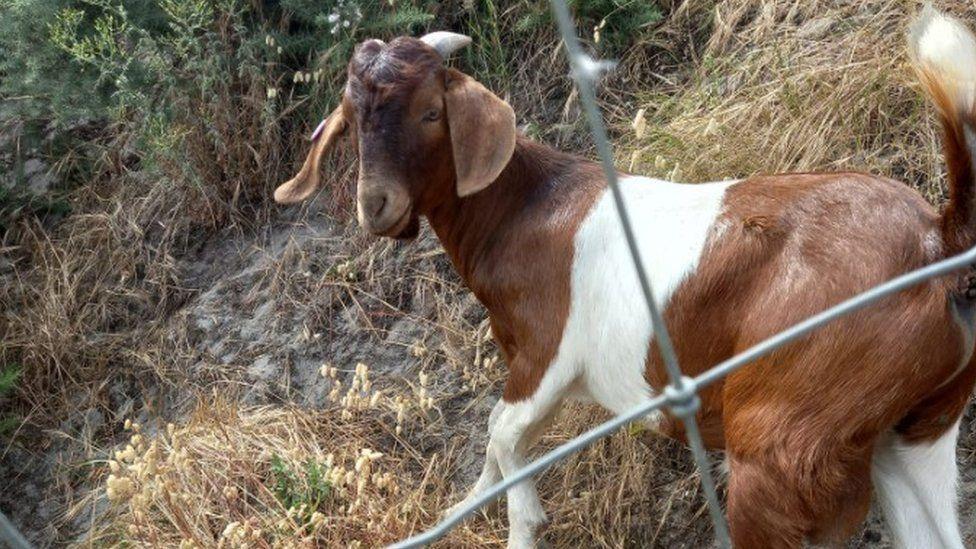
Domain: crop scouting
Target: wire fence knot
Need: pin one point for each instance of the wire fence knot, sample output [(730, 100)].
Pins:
[(682, 398), (586, 68)]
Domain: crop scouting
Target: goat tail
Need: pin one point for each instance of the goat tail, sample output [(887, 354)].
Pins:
[(943, 53)]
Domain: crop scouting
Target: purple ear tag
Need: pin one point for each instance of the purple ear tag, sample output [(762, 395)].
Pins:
[(318, 131)]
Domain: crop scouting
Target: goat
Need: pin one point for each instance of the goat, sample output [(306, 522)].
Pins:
[(872, 401)]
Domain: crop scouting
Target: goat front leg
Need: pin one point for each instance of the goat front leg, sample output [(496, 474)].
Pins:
[(490, 473), (519, 424), (524, 510)]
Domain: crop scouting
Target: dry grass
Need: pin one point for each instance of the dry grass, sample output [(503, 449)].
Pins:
[(131, 309), (796, 86), (215, 482)]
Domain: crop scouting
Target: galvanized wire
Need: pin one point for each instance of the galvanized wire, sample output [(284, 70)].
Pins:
[(681, 396), (586, 71), (11, 536)]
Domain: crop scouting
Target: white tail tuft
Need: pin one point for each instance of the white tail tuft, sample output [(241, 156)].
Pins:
[(944, 49)]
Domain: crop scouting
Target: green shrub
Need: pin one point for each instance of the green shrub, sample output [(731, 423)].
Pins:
[(9, 374), (304, 489), (618, 23)]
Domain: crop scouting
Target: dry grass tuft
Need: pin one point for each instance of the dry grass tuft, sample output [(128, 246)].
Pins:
[(88, 289), (272, 476), (266, 476), (796, 86)]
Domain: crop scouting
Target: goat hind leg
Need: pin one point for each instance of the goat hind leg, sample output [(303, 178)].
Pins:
[(916, 485), (778, 503), (759, 510)]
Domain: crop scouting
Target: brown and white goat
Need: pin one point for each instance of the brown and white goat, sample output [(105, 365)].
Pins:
[(870, 402)]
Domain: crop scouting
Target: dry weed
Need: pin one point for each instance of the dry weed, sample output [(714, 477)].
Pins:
[(288, 477), (796, 86)]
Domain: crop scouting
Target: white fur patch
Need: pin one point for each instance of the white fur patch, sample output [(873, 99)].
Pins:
[(604, 346), (916, 486), (609, 331), (945, 47), (942, 42)]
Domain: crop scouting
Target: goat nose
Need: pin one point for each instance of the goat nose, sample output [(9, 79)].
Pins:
[(373, 205)]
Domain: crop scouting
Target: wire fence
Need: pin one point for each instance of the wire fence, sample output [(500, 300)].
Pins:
[(680, 396), (10, 536)]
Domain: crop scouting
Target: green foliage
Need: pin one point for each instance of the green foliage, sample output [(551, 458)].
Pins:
[(35, 78), (618, 23), (9, 374), (204, 91), (14, 201), (306, 489)]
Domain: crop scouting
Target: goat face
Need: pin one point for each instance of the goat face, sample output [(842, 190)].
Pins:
[(424, 133), (395, 95)]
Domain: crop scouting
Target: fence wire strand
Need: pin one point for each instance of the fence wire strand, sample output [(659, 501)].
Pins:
[(681, 395), (9, 534), (683, 398)]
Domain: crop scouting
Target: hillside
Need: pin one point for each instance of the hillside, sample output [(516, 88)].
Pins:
[(198, 366)]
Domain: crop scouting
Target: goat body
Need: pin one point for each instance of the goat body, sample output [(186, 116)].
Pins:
[(732, 263)]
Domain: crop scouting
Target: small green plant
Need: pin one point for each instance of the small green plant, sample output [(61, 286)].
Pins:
[(14, 202), (613, 24), (9, 375), (304, 489)]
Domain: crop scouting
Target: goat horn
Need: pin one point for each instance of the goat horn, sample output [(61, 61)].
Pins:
[(445, 42)]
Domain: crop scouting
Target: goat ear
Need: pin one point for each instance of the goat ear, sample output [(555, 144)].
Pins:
[(482, 130), (306, 182)]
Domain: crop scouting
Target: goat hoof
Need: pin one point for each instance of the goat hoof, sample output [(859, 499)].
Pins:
[(530, 537), (538, 543)]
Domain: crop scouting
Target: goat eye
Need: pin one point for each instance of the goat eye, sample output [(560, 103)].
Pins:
[(432, 115)]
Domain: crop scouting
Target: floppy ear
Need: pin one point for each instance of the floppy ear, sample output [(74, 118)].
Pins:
[(482, 130), (306, 182)]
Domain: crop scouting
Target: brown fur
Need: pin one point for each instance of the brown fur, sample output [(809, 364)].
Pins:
[(307, 180), (958, 223), (800, 424), (482, 128), (513, 245)]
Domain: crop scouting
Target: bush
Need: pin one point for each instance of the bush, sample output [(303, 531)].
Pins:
[(207, 95), (9, 374)]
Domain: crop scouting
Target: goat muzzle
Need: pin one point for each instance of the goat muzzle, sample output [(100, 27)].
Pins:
[(385, 211)]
